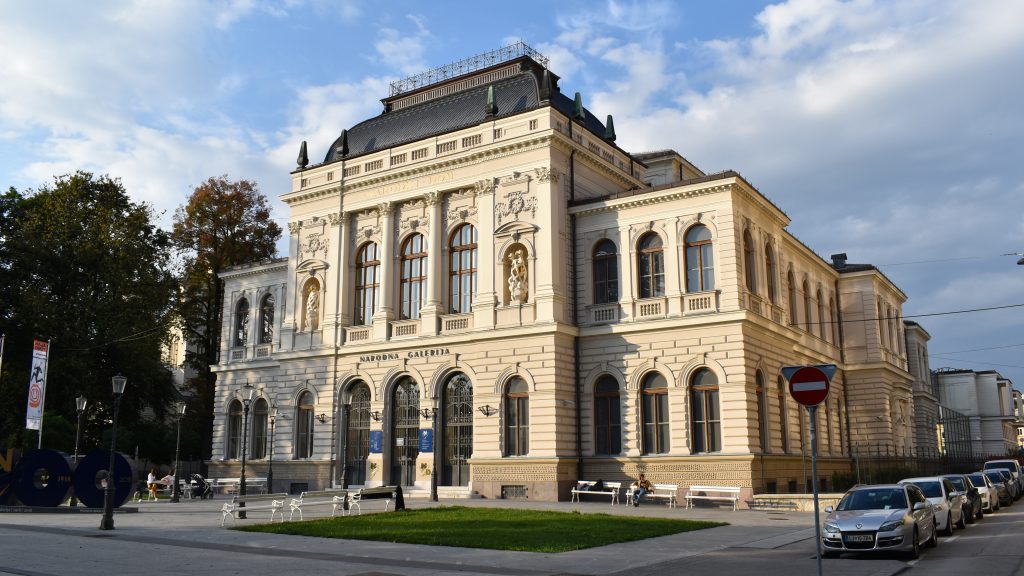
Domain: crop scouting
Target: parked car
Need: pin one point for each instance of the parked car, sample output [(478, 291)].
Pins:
[(881, 517), (972, 497), (989, 496), (947, 502), (998, 479), (1017, 486)]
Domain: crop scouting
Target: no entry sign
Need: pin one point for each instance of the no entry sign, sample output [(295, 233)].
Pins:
[(809, 385)]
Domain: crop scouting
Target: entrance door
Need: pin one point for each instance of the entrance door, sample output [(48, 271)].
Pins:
[(405, 432), (357, 435), (458, 431)]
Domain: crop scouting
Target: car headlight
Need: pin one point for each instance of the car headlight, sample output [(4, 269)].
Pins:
[(829, 527), (891, 525)]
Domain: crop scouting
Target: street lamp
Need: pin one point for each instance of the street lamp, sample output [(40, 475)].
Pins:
[(107, 521), (270, 459), (247, 399), (80, 403), (175, 489), (431, 413)]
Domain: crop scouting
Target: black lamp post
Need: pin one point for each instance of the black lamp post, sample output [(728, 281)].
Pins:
[(175, 489), (107, 521), (247, 398), (431, 413), (80, 403), (270, 459)]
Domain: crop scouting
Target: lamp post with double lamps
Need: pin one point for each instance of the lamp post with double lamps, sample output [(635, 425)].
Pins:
[(270, 453), (247, 397), (80, 403), (107, 521), (431, 413), (175, 489)]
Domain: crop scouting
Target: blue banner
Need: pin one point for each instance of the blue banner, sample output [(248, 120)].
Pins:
[(376, 441), (426, 440)]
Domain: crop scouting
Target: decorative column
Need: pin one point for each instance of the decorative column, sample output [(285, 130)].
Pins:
[(288, 317), (627, 273), (385, 312), (343, 275), (673, 276), (486, 299), (434, 305)]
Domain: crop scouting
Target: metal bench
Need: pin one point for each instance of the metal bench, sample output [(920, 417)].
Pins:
[(586, 487), (254, 503), (726, 493), (334, 498), (387, 493), (665, 492)]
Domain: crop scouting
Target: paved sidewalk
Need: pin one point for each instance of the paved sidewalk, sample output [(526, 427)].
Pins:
[(186, 538)]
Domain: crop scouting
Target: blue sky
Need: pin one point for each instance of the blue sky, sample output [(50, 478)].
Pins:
[(886, 130)]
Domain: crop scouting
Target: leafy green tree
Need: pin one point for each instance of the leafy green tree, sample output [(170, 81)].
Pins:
[(223, 224), (85, 268)]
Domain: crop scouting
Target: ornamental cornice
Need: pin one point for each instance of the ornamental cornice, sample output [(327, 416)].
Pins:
[(566, 144), (256, 270), (648, 199)]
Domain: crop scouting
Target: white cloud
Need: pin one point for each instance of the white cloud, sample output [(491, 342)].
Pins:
[(402, 51)]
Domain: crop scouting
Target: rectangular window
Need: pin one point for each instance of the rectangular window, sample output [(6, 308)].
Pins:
[(303, 183), (497, 133), (471, 141), (375, 165), (533, 124), (419, 154), (351, 171), (398, 159), (446, 147)]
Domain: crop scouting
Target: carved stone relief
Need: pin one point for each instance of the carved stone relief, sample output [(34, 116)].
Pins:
[(516, 202)]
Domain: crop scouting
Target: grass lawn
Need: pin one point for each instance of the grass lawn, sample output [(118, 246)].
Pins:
[(493, 528)]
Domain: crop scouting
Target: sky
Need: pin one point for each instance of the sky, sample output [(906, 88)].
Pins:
[(890, 131)]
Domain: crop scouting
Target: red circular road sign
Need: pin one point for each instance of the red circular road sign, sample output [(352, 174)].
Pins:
[(809, 386)]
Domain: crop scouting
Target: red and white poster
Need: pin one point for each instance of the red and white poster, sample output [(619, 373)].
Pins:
[(37, 386)]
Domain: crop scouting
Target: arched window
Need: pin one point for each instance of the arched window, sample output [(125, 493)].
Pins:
[(705, 413), (771, 273), (606, 272), (414, 276), (762, 411), (267, 319), (517, 418), (234, 451), (242, 322), (260, 411), (835, 320), (304, 426), (791, 281), (808, 309), (893, 342), (367, 281), (357, 435), (458, 431), (783, 413), (651, 266), (749, 264), (700, 259), (405, 402), (607, 417), (654, 405), (462, 270), (822, 333)]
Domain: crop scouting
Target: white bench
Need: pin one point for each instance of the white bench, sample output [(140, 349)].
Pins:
[(387, 493), (665, 492), (253, 485), (255, 503), (726, 493), (586, 487), (334, 498)]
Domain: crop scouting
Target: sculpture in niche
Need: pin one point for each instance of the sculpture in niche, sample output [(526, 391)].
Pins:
[(312, 306), (517, 277)]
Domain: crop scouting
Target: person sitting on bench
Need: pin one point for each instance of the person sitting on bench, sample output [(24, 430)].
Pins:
[(152, 483), (640, 487)]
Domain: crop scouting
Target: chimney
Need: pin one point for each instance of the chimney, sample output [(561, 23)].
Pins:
[(839, 261)]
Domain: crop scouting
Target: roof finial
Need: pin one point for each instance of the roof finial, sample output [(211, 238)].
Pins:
[(492, 106), (609, 129), (578, 112), (545, 86), (303, 159), (342, 148)]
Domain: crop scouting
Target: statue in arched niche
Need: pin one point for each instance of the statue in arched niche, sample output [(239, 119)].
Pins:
[(517, 276), (312, 306)]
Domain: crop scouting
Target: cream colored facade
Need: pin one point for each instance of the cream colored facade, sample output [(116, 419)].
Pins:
[(544, 182)]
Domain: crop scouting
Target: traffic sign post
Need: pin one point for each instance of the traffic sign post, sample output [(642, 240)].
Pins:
[(809, 386)]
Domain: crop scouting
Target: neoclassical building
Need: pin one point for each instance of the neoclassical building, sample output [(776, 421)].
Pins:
[(483, 253)]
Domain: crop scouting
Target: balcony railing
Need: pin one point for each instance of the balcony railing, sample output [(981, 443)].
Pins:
[(405, 328), (453, 323), (263, 351), (700, 303), (604, 314), (650, 308), (237, 354), (357, 333)]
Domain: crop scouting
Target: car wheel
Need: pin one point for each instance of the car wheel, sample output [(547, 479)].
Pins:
[(948, 530), (981, 512), (962, 523), (915, 550), (934, 540)]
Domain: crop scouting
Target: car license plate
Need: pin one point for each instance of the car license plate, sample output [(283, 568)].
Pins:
[(860, 538)]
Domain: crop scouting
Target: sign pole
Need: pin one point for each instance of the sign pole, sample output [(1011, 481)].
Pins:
[(812, 412)]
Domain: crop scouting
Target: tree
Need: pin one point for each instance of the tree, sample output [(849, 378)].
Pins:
[(223, 224), (84, 267)]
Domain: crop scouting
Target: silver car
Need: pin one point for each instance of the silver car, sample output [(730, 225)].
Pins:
[(879, 518), (989, 495), (947, 502)]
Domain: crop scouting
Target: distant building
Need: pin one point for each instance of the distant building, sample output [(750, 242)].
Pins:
[(484, 251), (927, 433), (986, 399)]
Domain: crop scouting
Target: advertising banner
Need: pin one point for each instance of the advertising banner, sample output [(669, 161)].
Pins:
[(36, 386)]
